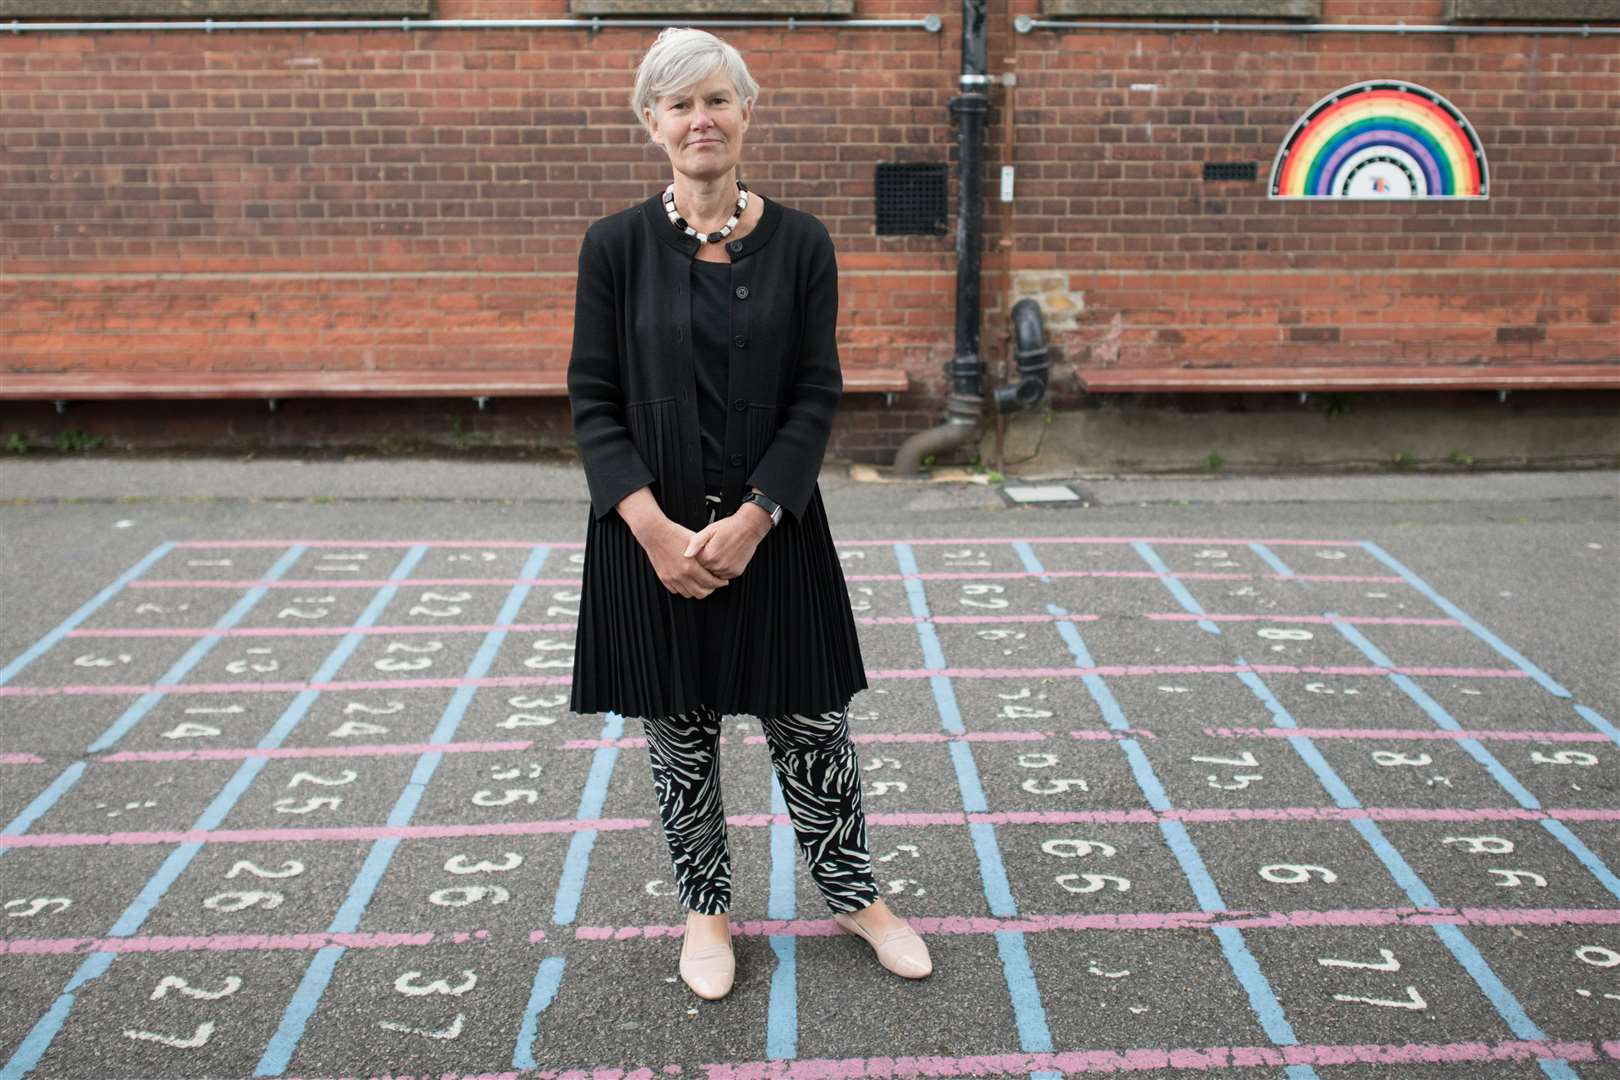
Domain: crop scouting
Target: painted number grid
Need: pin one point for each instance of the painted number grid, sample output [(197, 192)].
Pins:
[(1258, 807)]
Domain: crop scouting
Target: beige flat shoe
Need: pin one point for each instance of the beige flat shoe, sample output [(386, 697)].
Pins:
[(900, 950), (709, 971)]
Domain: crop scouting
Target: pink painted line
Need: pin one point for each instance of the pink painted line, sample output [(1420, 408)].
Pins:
[(519, 681), (1144, 816), (954, 541), (1140, 920), (312, 631), (21, 759), (515, 628), (867, 620), (346, 583), (377, 750), (636, 741), (235, 943), (932, 575), (1408, 733), (960, 925), (1147, 1059), (1351, 620), (1131, 670), (342, 833), (1092, 1062), (911, 620)]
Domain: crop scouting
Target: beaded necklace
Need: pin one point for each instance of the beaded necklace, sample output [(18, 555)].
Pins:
[(679, 222)]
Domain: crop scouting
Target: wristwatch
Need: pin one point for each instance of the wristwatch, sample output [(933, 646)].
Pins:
[(764, 504)]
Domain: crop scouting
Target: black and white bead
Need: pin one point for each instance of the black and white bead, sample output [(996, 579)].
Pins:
[(720, 234)]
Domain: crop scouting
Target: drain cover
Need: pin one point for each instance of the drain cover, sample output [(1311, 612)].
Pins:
[(1041, 493)]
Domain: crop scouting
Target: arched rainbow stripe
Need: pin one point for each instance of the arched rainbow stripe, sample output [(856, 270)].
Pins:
[(1416, 127)]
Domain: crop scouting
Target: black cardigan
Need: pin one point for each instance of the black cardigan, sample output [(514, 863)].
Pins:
[(789, 643)]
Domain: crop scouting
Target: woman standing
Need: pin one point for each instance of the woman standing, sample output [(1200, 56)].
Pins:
[(703, 380)]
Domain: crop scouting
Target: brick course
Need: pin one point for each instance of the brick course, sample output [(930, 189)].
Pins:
[(388, 200)]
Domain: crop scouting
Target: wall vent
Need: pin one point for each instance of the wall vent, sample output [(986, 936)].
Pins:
[(912, 199), (1231, 170)]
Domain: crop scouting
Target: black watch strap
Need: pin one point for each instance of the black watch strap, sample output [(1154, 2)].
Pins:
[(766, 504)]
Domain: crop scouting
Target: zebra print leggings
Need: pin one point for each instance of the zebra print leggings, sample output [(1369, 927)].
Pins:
[(820, 774)]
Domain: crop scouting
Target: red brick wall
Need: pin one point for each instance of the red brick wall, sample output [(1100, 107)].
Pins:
[(390, 200)]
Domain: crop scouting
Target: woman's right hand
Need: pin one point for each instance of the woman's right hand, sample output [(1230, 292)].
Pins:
[(665, 544)]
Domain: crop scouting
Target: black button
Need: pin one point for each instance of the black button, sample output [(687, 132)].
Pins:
[(739, 341), (739, 404), (736, 459), (742, 292), (735, 246)]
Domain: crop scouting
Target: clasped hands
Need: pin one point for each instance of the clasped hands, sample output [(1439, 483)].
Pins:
[(694, 564)]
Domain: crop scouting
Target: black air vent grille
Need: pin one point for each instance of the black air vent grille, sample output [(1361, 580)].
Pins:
[(1231, 170), (911, 199)]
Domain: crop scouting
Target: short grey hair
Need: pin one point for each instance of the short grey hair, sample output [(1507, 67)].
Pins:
[(682, 56)]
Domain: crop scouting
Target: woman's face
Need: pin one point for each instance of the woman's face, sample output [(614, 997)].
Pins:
[(701, 128)]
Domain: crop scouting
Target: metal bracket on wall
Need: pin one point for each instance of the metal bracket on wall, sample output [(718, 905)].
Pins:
[(271, 402), (482, 403), (61, 406)]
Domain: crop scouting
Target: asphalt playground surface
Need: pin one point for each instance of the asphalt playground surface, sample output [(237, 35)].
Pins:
[(1206, 778)]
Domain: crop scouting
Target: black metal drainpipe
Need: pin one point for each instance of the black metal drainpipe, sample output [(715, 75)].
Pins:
[(963, 407)]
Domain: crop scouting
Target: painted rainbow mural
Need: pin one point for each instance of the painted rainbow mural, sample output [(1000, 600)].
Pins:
[(1381, 140)]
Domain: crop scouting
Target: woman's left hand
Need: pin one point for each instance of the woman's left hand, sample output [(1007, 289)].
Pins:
[(725, 545)]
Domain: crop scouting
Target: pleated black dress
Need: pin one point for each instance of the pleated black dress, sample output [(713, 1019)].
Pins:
[(749, 355)]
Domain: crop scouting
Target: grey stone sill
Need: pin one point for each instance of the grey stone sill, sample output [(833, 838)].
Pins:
[(1597, 11), (66, 10), (711, 7), (1202, 9)]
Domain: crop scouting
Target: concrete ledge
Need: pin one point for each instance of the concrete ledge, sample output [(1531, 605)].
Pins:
[(213, 9), (1275, 9), (1538, 11), (1368, 434), (711, 7)]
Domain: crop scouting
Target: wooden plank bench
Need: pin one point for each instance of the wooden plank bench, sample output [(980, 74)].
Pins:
[(63, 387), (1308, 380)]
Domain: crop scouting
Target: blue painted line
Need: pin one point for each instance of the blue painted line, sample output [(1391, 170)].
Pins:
[(1468, 621), (89, 608), (1177, 587), (1507, 1006), (1270, 558), (1399, 869), (1142, 770), (1029, 1014), (45, 1031), (1262, 999), (547, 978), (1591, 716), (1437, 712), (1586, 855), (1501, 998), (570, 887), (1032, 563), (782, 1010), (1267, 1009), (44, 801), (278, 1054), (38, 1040), (1113, 715), (193, 656), (1192, 865)]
